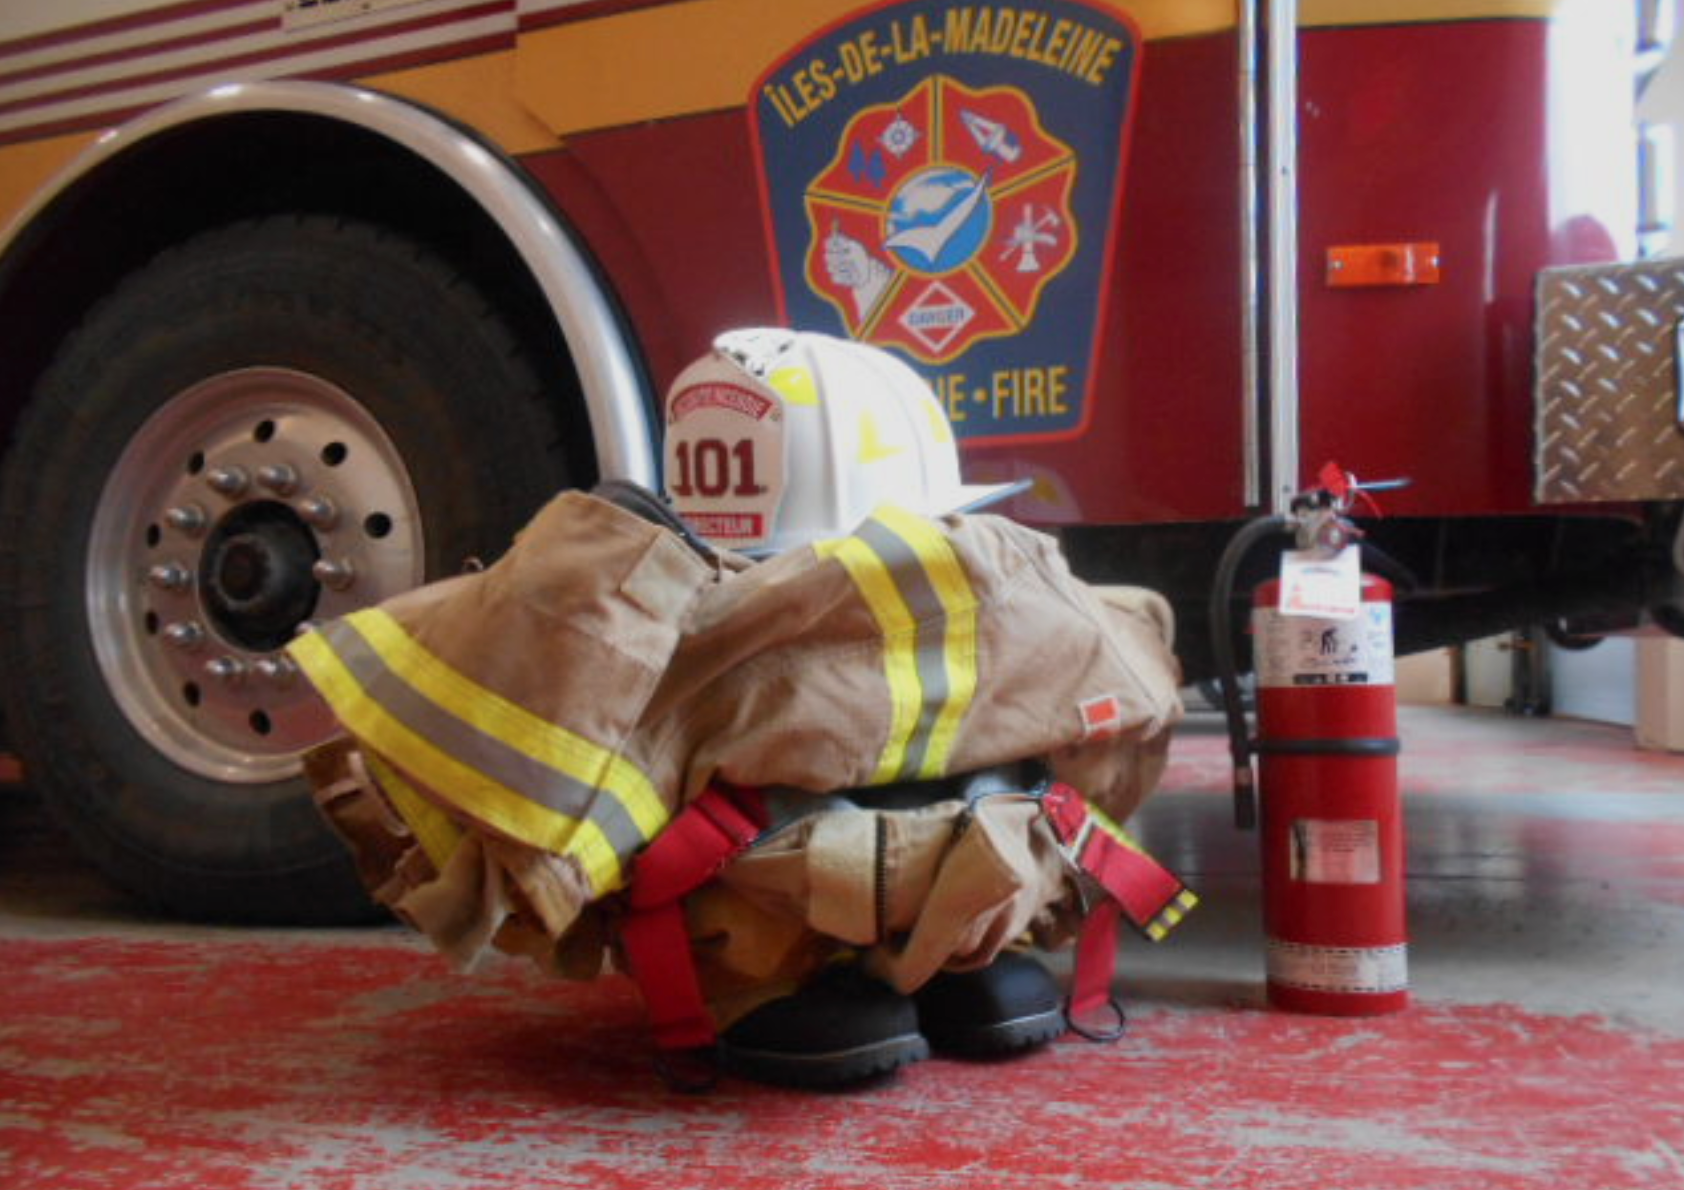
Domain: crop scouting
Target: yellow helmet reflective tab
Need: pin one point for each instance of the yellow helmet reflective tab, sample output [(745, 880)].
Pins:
[(777, 438)]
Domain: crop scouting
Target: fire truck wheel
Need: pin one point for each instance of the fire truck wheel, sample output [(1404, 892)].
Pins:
[(1563, 635), (271, 424)]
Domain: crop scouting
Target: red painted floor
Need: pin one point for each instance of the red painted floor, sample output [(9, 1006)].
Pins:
[(1545, 1048)]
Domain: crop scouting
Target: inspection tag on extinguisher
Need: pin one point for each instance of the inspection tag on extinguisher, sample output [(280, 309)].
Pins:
[(1325, 585), (1336, 851)]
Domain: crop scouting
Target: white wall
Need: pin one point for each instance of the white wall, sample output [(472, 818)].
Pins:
[(1663, 103), (1599, 683)]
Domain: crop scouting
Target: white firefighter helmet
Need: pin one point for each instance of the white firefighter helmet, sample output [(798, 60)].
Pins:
[(777, 438)]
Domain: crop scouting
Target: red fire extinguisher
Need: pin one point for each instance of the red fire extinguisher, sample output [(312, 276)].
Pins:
[(1332, 824)]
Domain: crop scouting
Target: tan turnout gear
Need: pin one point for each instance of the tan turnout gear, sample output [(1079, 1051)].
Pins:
[(516, 736), (917, 890)]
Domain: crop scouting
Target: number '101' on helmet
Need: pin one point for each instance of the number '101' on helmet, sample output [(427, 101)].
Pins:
[(777, 438)]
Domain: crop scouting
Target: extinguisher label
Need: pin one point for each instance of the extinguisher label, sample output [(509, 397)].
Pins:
[(1336, 851), (1372, 969), (1299, 651)]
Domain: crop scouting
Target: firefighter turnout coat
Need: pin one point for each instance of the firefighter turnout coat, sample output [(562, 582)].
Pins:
[(515, 736)]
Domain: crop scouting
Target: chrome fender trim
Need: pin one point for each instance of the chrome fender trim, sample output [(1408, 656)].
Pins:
[(616, 394)]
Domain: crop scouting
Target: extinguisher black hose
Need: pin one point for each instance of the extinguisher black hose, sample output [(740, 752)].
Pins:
[(1222, 649), (1377, 561)]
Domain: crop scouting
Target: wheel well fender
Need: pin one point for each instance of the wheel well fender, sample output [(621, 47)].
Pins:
[(258, 149)]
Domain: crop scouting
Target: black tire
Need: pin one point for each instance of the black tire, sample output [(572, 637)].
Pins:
[(387, 385), (1560, 633)]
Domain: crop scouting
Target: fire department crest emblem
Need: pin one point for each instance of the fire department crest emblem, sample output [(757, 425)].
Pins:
[(941, 179)]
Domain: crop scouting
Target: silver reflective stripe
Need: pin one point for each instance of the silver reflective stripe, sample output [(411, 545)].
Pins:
[(480, 750), (930, 618)]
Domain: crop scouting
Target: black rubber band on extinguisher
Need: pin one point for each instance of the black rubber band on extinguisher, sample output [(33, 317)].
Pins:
[(1357, 746)]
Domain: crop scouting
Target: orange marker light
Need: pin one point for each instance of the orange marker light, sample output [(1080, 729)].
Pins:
[(1352, 265)]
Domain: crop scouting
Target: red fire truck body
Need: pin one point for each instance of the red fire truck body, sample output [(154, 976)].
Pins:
[(1162, 259), (1390, 152)]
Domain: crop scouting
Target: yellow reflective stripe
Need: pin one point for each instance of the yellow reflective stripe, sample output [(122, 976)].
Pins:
[(1105, 823), (432, 827), (900, 643), (501, 808), (496, 761), (1172, 915), (511, 723), (959, 600)]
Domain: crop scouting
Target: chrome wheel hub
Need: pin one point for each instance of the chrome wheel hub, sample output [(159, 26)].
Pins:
[(246, 507)]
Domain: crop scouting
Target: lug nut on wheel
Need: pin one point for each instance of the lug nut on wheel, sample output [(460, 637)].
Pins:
[(169, 576), (278, 478), (336, 576), (319, 512), (189, 518), (230, 671), (279, 670), (184, 634), (228, 481)]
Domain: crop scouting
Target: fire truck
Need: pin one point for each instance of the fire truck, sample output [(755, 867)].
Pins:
[(306, 302)]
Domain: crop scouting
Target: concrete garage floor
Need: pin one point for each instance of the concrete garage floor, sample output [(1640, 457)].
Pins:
[(1545, 1046)]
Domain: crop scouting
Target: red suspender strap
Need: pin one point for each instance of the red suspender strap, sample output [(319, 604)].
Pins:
[(1137, 887), (658, 952), (1092, 1010), (690, 851), (722, 823)]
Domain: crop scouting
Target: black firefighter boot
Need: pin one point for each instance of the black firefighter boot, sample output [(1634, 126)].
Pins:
[(1012, 1004), (843, 1027)]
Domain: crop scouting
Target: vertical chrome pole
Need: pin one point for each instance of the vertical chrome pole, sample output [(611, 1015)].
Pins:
[(1251, 281), (1282, 65)]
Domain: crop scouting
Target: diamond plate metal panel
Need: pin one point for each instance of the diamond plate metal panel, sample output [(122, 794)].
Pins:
[(1607, 399)]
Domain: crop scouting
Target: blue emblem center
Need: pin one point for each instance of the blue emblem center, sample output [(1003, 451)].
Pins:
[(939, 219)]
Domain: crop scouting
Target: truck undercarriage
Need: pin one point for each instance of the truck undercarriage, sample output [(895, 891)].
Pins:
[(1456, 579)]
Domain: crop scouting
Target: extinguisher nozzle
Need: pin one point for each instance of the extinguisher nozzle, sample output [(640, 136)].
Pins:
[(1245, 799)]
